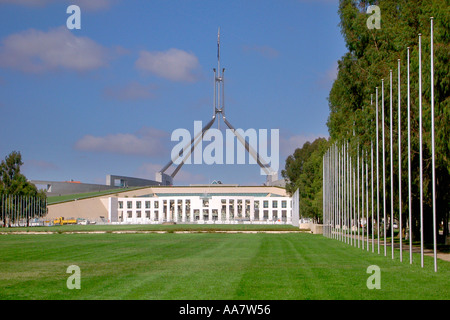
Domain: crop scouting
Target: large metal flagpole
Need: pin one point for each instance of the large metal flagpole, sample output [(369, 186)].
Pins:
[(219, 107)]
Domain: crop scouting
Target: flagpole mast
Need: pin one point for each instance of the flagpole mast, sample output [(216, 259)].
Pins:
[(420, 151), (432, 148), (409, 168), (378, 175), (384, 167), (399, 164)]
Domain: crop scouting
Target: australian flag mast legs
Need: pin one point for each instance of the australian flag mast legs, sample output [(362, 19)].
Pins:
[(218, 109)]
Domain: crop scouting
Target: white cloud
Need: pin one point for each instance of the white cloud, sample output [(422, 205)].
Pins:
[(289, 144), (130, 92), (39, 165), (147, 141), (173, 64), (37, 51), (327, 78)]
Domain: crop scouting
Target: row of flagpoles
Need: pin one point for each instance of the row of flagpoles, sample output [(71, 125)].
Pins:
[(17, 208), (346, 213)]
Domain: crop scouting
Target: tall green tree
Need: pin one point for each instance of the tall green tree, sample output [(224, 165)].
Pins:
[(372, 53), (303, 171)]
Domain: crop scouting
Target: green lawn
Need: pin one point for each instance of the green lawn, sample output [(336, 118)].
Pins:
[(197, 266), (153, 227)]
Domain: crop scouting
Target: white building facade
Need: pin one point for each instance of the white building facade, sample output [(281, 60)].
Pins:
[(201, 209)]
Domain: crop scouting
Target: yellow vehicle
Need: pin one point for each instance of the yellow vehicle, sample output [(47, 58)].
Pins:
[(61, 221)]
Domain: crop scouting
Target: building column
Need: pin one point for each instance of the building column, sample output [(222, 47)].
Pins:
[(161, 211), (270, 216), (175, 210), (288, 213)]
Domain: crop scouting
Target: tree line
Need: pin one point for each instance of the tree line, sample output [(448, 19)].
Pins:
[(372, 53)]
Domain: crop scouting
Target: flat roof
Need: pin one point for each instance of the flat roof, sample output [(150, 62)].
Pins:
[(220, 194)]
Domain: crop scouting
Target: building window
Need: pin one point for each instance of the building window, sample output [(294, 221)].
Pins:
[(156, 204), (129, 204), (147, 214), (274, 204), (130, 214), (120, 204), (147, 204), (138, 213), (138, 204), (284, 204), (265, 203)]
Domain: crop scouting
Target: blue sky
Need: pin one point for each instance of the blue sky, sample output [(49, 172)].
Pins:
[(81, 104)]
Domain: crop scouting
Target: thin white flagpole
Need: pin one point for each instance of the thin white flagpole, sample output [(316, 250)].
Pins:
[(323, 194), (392, 166), (378, 175), (432, 148), (349, 196), (327, 193), (420, 151), (340, 193), (347, 208), (400, 164), (333, 176), (352, 210), (336, 169), (409, 169), (384, 167), (345, 193), (367, 202), (371, 177), (357, 191), (333, 154), (362, 197)]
